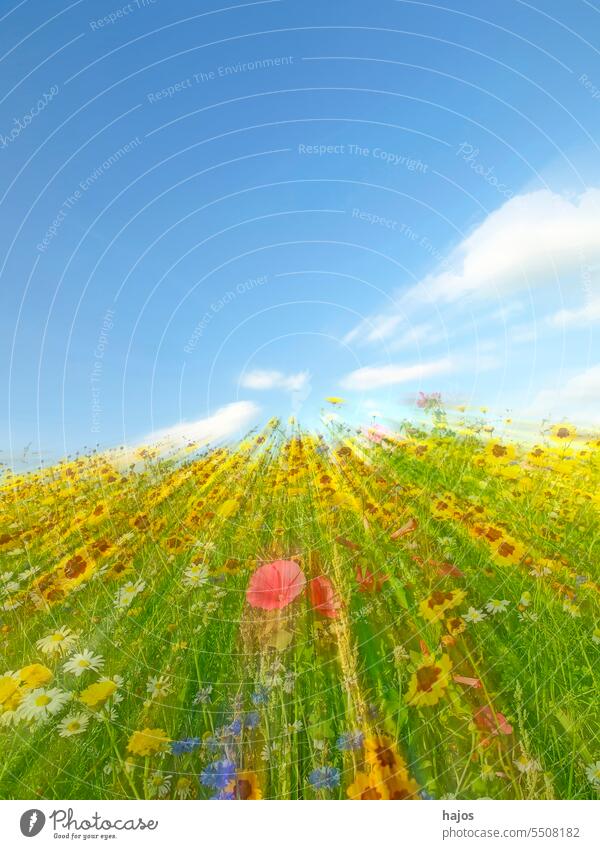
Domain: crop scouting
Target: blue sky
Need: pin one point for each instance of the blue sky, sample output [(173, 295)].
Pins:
[(218, 213)]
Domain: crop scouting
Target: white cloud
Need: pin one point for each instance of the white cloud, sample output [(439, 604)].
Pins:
[(263, 380), (587, 314), (578, 398), (374, 377), (374, 329), (536, 238), (530, 239), (225, 422)]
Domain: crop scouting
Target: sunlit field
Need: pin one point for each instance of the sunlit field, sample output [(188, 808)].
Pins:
[(365, 614)]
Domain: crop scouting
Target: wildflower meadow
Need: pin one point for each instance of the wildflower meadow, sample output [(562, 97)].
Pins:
[(362, 613)]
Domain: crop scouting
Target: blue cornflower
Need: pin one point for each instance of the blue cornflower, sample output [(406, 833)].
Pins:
[(182, 747), (251, 719), (350, 741), (261, 696), (224, 794), (235, 728), (325, 777), (218, 774)]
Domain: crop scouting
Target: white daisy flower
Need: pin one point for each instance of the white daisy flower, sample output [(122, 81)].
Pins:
[(159, 784), (82, 661), (196, 575), (495, 605), (41, 704), (525, 764), (183, 788), (528, 616), (593, 774), (158, 687), (128, 592), (58, 642), (474, 615), (75, 723)]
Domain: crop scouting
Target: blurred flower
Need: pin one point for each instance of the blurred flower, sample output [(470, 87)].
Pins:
[(185, 746), (350, 741), (244, 786), (218, 774), (323, 598), (593, 774), (325, 778)]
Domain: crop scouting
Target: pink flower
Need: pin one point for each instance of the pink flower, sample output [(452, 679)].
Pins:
[(376, 433), (275, 585), (489, 720), (429, 401), (323, 597)]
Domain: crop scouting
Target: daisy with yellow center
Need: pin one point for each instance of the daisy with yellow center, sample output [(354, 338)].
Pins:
[(183, 788), (73, 724), (82, 662), (39, 705), (58, 642)]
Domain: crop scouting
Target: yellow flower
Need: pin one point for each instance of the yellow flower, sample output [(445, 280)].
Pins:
[(381, 754), (434, 607), (333, 399), (96, 694), (147, 742), (402, 788), (368, 786), (442, 507), (245, 786), (455, 626), (228, 508), (508, 551), (9, 684), (498, 452), (429, 681), (563, 432), (35, 675)]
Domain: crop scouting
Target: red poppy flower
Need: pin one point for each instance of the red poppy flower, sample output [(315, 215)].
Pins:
[(275, 585), (323, 597)]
